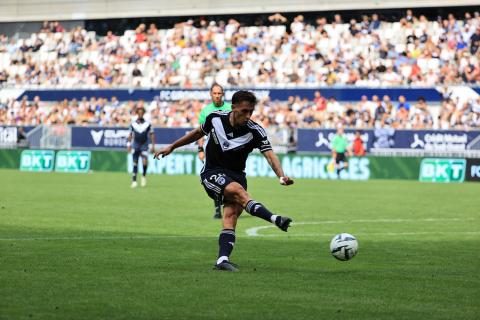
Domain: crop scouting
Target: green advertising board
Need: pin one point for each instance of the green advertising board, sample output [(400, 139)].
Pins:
[(307, 166), (312, 166), (442, 170), (73, 161), (37, 160)]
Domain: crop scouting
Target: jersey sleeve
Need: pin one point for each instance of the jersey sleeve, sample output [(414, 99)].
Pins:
[(206, 126), (260, 139), (202, 117)]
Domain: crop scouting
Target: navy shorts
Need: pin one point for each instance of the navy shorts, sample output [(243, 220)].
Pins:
[(139, 150), (216, 180)]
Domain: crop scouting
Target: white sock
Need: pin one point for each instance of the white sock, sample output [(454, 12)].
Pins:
[(221, 259), (274, 218)]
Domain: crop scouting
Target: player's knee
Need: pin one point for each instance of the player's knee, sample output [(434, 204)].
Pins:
[(236, 192)]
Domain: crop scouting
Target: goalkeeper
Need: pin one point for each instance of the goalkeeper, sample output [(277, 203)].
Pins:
[(217, 104)]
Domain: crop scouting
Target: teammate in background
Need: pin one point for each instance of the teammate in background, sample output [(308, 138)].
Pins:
[(231, 136), (140, 129), (357, 146), (339, 148), (217, 104)]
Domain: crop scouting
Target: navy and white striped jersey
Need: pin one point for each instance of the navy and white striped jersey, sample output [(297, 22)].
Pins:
[(140, 129), (228, 147)]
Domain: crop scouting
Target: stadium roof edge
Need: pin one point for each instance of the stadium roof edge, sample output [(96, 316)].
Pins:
[(16, 11)]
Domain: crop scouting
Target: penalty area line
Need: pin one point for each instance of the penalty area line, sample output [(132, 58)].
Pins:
[(307, 235), (254, 232)]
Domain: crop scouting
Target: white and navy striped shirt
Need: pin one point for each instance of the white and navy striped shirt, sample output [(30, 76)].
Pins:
[(228, 147), (140, 129)]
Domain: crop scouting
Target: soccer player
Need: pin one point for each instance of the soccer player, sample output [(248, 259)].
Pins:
[(217, 104), (231, 136), (339, 148), (140, 129)]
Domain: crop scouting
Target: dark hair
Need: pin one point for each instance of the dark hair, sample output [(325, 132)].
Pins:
[(216, 85), (243, 95)]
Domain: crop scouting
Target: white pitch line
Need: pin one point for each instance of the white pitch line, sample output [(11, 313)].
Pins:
[(305, 235), (253, 232)]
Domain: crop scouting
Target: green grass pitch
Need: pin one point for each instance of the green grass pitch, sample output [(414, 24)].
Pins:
[(86, 246)]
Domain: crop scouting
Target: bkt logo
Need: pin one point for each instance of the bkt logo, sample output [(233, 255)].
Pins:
[(442, 170), (37, 160), (73, 161)]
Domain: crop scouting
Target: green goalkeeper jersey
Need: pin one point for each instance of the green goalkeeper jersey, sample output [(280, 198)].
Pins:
[(211, 107)]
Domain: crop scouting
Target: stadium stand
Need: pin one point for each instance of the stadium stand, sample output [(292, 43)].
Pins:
[(369, 52), (296, 112), (365, 52)]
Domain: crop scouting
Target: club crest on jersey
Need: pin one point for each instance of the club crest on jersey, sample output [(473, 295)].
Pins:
[(219, 179)]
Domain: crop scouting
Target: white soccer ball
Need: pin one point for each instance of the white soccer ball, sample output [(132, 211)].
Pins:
[(344, 246)]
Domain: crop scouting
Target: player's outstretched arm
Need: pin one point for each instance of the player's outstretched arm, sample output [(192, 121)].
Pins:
[(152, 140), (277, 167), (129, 142), (190, 137)]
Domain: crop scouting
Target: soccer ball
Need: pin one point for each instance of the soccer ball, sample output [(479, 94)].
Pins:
[(344, 246)]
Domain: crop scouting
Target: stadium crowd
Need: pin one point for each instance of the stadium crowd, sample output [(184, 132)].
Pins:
[(368, 52), (296, 112)]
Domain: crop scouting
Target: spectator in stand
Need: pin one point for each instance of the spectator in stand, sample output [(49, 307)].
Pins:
[(357, 146), (402, 103), (374, 24), (277, 19), (320, 102), (475, 41), (380, 112), (420, 117)]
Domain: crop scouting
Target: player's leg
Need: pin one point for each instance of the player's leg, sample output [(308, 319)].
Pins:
[(218, 208), (136, 155), (340, 161), (226, 240), (145, 167), (235, 192)]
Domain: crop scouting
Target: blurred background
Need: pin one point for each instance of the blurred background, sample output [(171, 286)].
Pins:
[(406, 75)]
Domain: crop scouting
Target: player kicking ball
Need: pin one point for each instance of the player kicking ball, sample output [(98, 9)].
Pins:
[(231, 136)]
